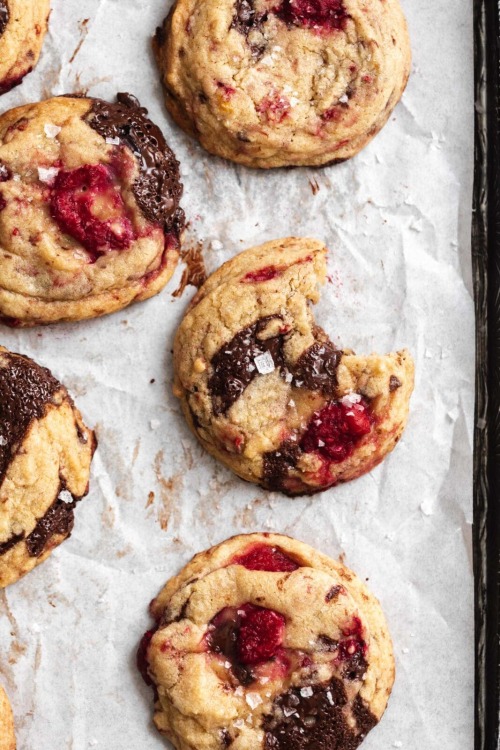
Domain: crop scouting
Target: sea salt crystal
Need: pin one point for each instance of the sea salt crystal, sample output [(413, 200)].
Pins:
[(239, 691), (47, 175), (264, 363), (253, 700), (113, 141), (330, 698), (227, 664), (344, 99), (289, 711), (321, 444), (51, 130), (288, 377), (307, 692), (350, 398), (238, 724), (3, 441), (66, 496)]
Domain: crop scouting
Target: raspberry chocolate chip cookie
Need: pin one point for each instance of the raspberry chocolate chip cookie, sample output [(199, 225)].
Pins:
[(273, 83), (23, 24), (263, 642), (7, 738), (45, 456), (89, 209), (265, 390)]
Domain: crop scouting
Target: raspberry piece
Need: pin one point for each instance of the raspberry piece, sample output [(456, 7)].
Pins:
[(142, 656), (274, 107), (325, 14), (260, 635), (262, 274), (87, 205), (264, 557), (336, 429)]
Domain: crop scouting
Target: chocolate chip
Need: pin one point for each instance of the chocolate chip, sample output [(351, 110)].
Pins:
[(394, 383), (4, 15)]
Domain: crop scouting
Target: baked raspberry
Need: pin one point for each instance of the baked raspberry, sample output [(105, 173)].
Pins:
[(274, 107), (227, 91), (142, 656), (260, 636), (337, 428), (328, 15), (87, 204), (264, 557), (263, 274), (247, 636)]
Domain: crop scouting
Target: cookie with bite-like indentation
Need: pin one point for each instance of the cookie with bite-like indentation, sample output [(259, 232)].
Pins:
[(265, 390), (263, 643), (45, 456), (89, 209), (7, 737), (23, 25), (273, 83)]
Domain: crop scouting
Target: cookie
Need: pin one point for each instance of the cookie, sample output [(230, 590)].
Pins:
[(23, 25), (273, 83), (45, 456), (89, 209), (265, 390), (7, 738), (263, 642)]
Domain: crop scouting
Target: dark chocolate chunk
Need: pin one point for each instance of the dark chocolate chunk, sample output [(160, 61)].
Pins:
[(316, 368), (314, 719), (225, 737), (334, 593), (6, 546), (58, 519), (4, 15), (234, 365), (157, 190), (25, 390), (245, 20), (394, 383), (277, 464)]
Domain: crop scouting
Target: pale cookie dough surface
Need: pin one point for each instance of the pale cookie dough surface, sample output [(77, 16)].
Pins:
[(45, 456), (264, 389), (271, 83), (7, 737), (263, 642), (89, 209), (23, 25)]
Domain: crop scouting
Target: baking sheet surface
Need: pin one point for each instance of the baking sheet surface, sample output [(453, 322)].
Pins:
[(397, 221)]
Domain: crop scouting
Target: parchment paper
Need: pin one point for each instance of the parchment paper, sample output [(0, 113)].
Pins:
[(397, 220)]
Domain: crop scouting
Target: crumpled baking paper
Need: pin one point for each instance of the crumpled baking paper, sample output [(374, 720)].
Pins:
[(397, 221)]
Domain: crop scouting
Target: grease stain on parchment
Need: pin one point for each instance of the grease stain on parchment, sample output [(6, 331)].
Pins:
[(194, 274), (166, 502)]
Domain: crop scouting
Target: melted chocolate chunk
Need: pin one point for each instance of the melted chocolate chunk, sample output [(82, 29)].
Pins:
[(316, 368), (59, 519), (5, 173), (6, 546), (234, 365), (223, 640), (157, 190), (277, 464), (245, 20), (4, 15), (25, 390), (225, 738), (394, 383), (316, 721)]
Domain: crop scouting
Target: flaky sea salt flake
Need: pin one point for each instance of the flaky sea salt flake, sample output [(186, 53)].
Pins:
[(47, 175), (264, 363), (51, 130)]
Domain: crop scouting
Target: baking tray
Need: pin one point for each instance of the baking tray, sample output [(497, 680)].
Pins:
[(486, 270)]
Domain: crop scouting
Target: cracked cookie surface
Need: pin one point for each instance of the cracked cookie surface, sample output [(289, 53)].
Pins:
[(45, 456), (264, 642), (89, 209), (265, 390), (7, 737), (272, 83), (23, 25)]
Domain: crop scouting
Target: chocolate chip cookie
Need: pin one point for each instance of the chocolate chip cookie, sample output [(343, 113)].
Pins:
[(7, 737), (266, 391), (23, 25), (45, 456), (89, 209), (273, 83), (264, 643)]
